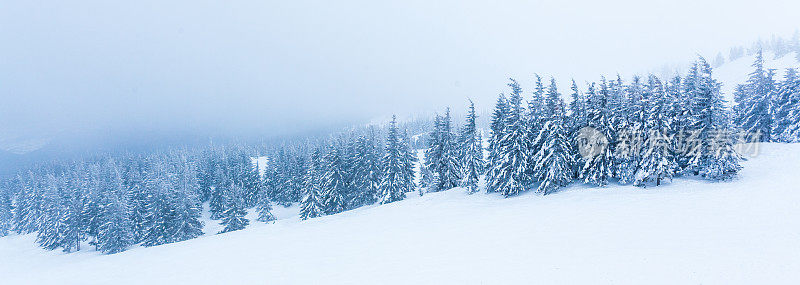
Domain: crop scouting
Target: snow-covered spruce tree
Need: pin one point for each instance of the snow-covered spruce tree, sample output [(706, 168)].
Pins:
[(577, 109), (53, 228), (116, 232), (681, 125), (787, 116), (367, 163), (497, 126), (471, 150), (157, 187), (5, 210), (171, 212), (311, 205), (534, 119), (394, 184), (433, 156), (409, 160), (596, 168), (754, 110), (554, 160), (250, 179), (447, 167), (205, 174), (74, 214), (713, 156), (630, 131), (28, 203), (134, 184), (658, 161), (427, 177), (264, 208), (216, 200), (510, 175), (185, 205), (334, 181), (235, 208), (575, 121)]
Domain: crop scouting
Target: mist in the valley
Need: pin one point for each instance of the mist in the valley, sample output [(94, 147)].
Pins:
[(84, 74)]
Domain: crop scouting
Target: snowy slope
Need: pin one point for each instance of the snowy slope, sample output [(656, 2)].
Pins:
[(735, 72), (690, 232)]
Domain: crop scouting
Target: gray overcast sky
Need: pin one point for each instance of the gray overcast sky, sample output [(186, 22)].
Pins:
[(258, 66)]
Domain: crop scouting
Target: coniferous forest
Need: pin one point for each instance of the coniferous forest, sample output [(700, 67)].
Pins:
[(642, 131)]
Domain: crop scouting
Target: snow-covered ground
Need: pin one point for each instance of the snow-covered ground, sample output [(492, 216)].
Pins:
[(689, 232)]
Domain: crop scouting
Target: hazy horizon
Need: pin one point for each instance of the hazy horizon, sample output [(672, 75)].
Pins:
[(99, 70)]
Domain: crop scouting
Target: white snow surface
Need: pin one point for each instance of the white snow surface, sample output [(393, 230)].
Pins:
[(745, 231)]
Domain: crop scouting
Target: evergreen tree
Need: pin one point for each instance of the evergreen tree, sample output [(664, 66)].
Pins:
[(596, 167), (471, 152), (534, 120), (658, 162), (27, 208), (334, 182), (497, 126), (250, 179), (553, 160), (264, 208), (54, 230), (787, 116), (311, 206), (5, 210), (184, 203), (444, 154), (630, 131), (116, 233), (367, 170), (756, 105), (510, 174), (433, 156), (408, 161), (395, 181), (217, 200), (235, 209), (712, 155), (577, 108)]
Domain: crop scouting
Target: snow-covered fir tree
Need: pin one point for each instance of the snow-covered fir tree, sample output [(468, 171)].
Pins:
[(554, 160), (658, 162), (630, 131), (367, 170), (787, 116), (471, 150), (334, 181), (28, 206), (235, 208), (596, 166), (116, 232), (510, 174), (711, 155), (497, 126), (311, 206), (442, 156), (755, 106), (6, 215), (264, 208), (577, 109), (395, 182), (409, 159)]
